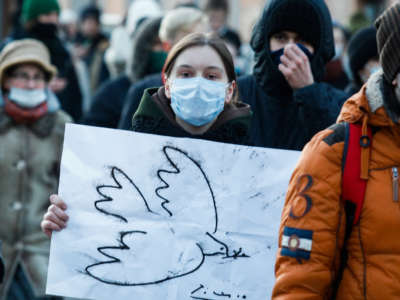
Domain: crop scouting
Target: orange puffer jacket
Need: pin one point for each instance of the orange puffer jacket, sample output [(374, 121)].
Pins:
[(313, 220)]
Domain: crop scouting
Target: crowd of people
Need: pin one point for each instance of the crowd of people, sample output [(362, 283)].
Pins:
[(308, 82)]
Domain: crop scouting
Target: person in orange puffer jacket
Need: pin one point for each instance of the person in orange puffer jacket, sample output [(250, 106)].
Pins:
[(312, 231)]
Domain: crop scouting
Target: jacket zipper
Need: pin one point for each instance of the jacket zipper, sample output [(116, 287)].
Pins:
[(395, 184)]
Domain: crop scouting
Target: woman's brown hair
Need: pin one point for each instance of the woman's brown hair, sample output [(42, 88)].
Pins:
[(202, 39)]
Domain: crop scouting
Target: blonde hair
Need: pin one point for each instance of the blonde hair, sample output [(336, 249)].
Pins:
[(178, 20)]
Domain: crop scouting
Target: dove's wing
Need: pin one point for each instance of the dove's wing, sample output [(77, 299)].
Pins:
[(123, 190), (144, 258), (185, 181)]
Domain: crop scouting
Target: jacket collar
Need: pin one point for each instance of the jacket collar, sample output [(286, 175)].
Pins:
[(41, 128)]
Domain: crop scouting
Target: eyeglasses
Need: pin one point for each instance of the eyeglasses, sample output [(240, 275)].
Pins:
[(24, 77)]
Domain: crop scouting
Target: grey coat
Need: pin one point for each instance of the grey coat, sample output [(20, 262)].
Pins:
[(29, 168)]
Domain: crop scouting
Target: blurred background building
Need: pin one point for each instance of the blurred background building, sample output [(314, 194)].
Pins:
[(242, 16)]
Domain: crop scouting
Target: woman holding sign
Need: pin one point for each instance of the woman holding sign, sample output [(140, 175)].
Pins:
[(198, 100)]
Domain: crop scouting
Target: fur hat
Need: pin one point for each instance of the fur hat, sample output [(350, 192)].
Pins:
[(26, 51)]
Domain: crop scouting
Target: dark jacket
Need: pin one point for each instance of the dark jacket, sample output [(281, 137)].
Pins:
[(352, 89), (94, 59), (107, 104), (108, 101), (70, 98), (134, 97), (284, 118), (155, 116), (289, 121)]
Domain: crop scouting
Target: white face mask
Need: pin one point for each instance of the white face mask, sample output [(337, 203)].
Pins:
[(27, 98), (197, 100)]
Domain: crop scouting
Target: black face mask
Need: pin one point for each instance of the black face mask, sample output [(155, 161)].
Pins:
[(44, 30), (276, 55)]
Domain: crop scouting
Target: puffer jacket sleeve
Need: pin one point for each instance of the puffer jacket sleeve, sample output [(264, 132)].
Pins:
[(312, 225)]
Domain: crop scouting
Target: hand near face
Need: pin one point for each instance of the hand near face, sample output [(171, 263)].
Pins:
[(296, 67)]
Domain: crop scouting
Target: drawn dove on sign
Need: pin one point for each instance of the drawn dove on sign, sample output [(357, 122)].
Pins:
[(140, 247)]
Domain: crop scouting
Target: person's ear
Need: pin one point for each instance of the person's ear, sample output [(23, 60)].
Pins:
[(230, 92), (166, 46), (167, 87)]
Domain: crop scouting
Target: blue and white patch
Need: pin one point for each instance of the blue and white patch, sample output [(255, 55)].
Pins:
[(296, 243)]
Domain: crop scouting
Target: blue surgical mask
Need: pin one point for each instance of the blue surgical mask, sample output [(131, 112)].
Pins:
[(197, 100), (276, 55), (27, 98)]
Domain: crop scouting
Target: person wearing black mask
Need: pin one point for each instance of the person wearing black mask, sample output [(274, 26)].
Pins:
[(40, 22), (292, 41)]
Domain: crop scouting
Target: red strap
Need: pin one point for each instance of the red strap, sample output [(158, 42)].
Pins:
[(353, 187)]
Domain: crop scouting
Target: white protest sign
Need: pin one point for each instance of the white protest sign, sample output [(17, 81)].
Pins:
[(154, 217)]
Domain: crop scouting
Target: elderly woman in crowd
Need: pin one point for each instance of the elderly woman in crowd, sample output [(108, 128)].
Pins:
[(31, 136)]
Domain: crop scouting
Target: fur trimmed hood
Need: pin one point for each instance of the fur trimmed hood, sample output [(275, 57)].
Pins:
[(373, 91), (370, 102)]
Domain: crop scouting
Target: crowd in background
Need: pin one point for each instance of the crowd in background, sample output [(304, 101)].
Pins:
[(295, 74), (89, 61)]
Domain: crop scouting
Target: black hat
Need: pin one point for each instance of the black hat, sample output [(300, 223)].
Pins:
[(297, 16), (90, 11), (362, 47)]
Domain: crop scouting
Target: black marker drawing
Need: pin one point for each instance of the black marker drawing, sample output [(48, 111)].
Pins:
[(148, 245), (201, 293)]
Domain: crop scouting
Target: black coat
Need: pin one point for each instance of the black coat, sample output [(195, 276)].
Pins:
[(97, 46), (134, 97), (106, 108), (284, 118), (289, 121), (352, 88)]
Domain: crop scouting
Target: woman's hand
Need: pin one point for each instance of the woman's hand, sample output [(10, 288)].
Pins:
[(55, 218)]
